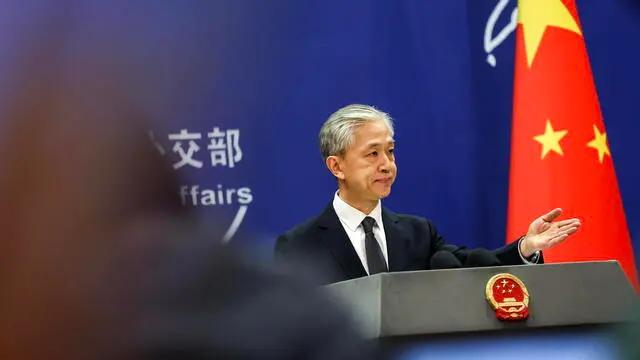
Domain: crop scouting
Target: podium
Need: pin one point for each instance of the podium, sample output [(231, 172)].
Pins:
[(422, 304)]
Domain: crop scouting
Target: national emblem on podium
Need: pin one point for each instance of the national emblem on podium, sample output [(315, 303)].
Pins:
[(508, 297)]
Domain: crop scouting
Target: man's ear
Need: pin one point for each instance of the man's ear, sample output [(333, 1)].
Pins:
[(334, 164)]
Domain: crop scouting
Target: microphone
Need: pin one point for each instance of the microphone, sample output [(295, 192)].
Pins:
[(481, 258), (443, 259)]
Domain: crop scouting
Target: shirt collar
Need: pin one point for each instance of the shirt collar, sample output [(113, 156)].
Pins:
[(352, 217)]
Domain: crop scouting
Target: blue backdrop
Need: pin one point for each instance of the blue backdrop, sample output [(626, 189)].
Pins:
[(267, 74)]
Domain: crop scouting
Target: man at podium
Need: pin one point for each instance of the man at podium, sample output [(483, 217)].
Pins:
[(355, 236)]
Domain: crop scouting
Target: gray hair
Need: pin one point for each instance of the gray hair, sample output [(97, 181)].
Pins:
[(336, 134)]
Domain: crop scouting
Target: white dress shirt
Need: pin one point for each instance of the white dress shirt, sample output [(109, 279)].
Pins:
[(351, 220)]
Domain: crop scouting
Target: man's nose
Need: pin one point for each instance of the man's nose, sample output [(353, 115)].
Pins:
[(385, 164)]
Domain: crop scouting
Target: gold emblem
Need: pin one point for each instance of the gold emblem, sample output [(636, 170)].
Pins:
[(508, 297)]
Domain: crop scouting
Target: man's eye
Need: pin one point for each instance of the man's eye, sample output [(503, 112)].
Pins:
[(374, 153)]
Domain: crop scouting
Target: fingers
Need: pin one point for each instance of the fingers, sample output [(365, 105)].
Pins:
[(557, 240), (551, 215), (570, 230), (568, 222), (560, 235)]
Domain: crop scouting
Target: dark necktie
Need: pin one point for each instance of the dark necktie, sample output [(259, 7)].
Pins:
[(375, 259)]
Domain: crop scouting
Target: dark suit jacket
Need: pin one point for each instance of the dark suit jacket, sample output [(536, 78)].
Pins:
[(322, 243)]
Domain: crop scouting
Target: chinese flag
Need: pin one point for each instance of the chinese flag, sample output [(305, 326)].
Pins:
[(559, 151)]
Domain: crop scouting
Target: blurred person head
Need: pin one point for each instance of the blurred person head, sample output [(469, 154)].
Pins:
[(98, 257), (83, 194), (100, 260), (357, 146)]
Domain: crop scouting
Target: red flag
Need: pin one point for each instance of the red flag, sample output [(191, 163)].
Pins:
[(560, 156)]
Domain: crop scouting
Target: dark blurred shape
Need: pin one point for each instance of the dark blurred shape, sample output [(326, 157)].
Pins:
[(81, 191), (481, 258), (628, 336), (99, 259), (444, 259), (210, 303)]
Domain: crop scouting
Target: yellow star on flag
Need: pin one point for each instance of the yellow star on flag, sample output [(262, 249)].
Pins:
[(600, 143), (550, 140), (536, 15)]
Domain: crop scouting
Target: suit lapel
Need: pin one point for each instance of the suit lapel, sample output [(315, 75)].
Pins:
[(396, 241), (337, 240)]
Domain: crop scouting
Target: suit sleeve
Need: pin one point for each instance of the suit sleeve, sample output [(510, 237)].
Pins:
[(508, 255), (439, 243)]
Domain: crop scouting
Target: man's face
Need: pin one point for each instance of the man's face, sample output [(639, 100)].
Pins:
[(368, 167)]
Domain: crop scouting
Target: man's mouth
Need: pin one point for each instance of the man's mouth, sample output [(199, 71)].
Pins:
[(384, 180)]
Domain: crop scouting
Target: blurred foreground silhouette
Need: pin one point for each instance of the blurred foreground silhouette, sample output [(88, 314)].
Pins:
[(98, 258)]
